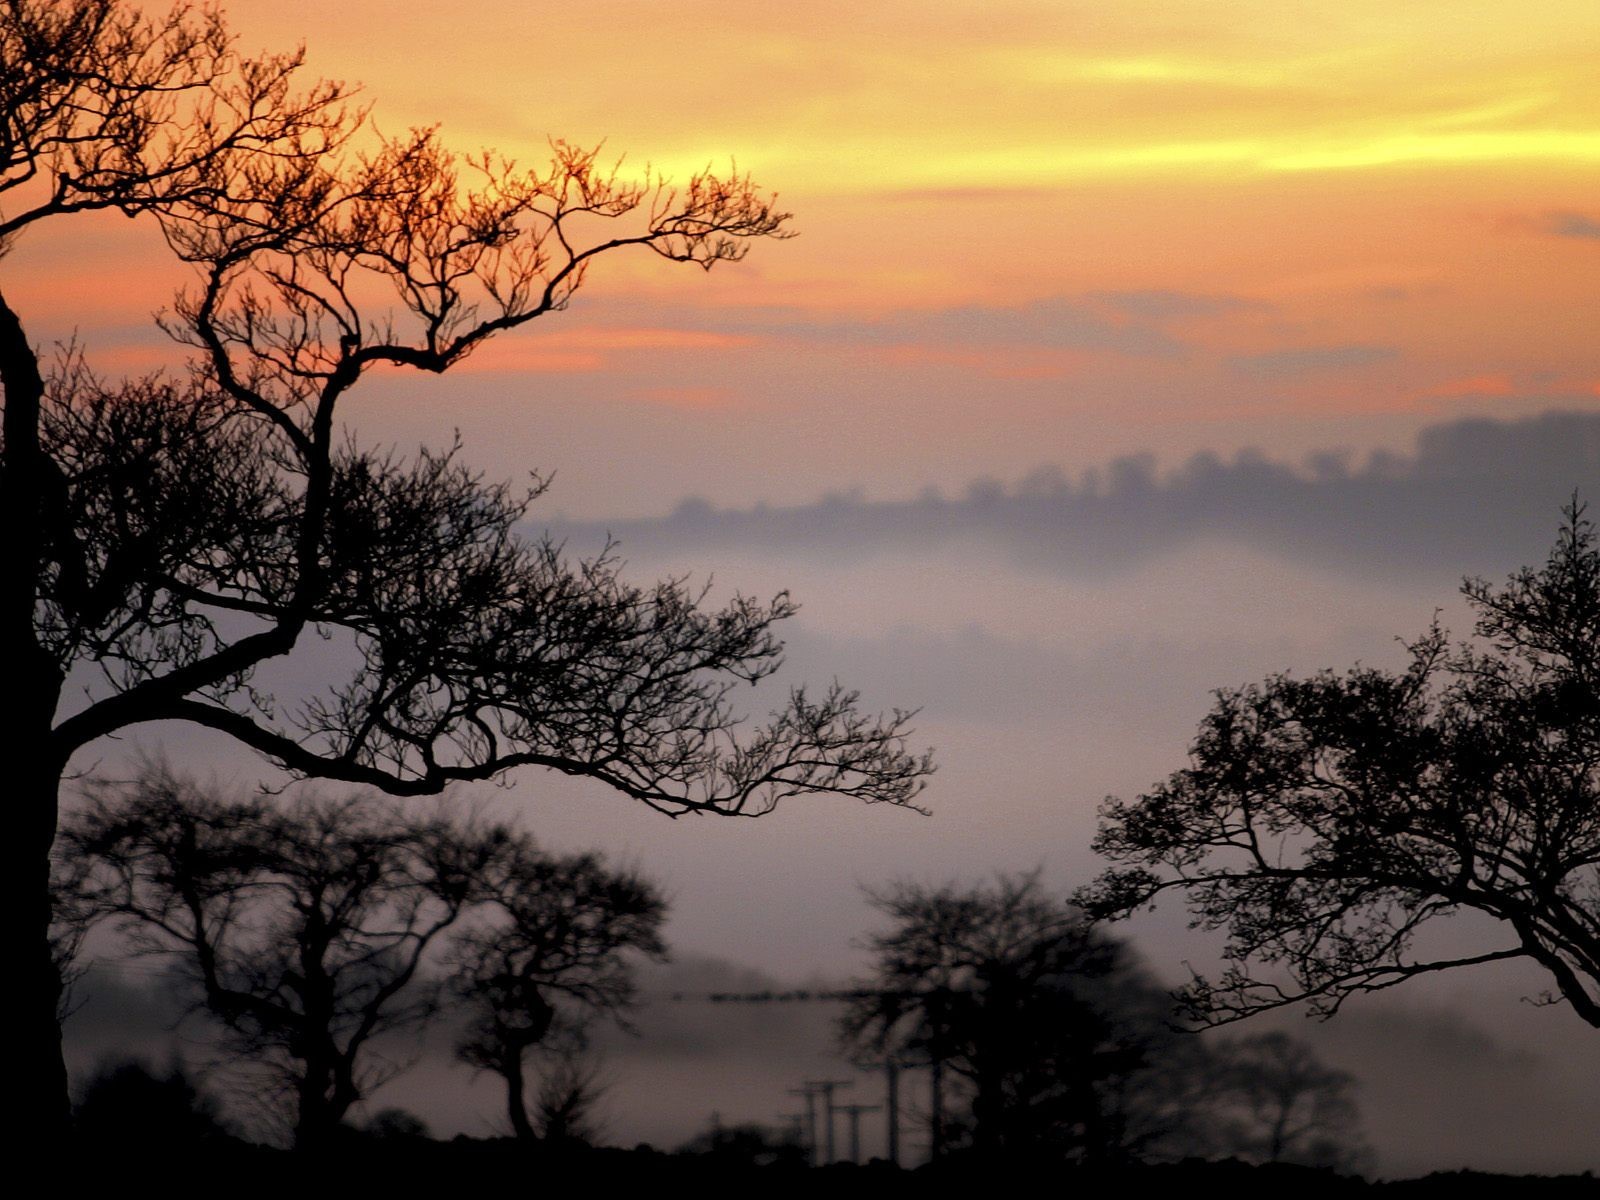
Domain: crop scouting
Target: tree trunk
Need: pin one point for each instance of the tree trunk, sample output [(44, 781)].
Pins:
[(989, 1117), (316, 1122), (512, 1071), (42, 1117), (32, 764)]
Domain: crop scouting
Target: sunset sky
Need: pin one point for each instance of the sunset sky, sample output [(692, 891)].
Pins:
[(1034, 239), (1029, 232)]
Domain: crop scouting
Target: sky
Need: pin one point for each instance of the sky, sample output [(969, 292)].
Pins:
[(1125, 351)]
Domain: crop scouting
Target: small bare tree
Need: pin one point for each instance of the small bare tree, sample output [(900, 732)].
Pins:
[(1278, 1102), (567, 1100), (553, 949)]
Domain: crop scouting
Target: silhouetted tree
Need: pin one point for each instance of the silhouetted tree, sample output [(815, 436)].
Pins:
[(1279, 1103), (552, 948), (127, 1108), (572, 1086), (304, 928), (1053, 1033), (1323, 822), (396, 1125), (748, 1143), (164, 536)]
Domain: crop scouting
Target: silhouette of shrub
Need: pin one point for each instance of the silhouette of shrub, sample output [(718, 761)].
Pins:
[(127, 1105)]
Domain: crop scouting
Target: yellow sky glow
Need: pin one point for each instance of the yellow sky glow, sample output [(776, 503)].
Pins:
[(1222, 218)]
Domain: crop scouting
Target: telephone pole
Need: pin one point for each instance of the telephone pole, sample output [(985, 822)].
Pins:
[(891, 1073), (795, 1123), (809, 1093), (854, 1111), (891, 1067), (825, 1089)]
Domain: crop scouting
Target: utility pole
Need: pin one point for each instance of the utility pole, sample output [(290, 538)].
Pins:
[(891, 1072), (825, 1088), (854, 1111), (809, 1092), (795, 1123), (937, 1011), (891, 1080)]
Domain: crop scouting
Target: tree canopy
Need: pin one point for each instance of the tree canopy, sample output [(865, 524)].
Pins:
[(1328, 824), (1051, 1035)]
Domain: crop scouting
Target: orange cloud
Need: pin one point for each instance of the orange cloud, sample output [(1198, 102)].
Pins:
[(588, 348), (1472, 385)]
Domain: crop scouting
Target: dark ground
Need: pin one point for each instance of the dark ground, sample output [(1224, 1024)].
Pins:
[(497, 1167)]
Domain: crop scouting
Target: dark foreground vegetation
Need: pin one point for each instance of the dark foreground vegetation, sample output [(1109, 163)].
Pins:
[(419, 1166), (135, 1122)]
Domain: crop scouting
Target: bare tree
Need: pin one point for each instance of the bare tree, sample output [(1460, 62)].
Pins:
[(1324, 822), (567, 1101), (1280, 1103), (552, 951), (163, 537), (305, 929)]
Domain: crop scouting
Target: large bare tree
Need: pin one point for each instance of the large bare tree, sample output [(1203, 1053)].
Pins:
[(1329, 824), (166, 536)]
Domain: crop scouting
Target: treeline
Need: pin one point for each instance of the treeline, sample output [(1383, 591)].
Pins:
[(311, 932), (1045, 1039)]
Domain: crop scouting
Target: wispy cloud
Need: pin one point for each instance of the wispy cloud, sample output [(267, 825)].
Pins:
[(1308, 360), (1049, 323), (1126, 323), (1160, 304), (1574, 225)]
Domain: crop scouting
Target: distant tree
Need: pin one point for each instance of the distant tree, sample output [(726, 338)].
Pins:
[(551, 948), (1324, 822), (303, 928), (747, 1143), (1051, 1034), (396, 1125), (1277, 1102), (163, 537), (567, 1099)]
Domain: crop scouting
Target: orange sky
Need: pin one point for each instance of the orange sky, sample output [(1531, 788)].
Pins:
[(1031, 231)]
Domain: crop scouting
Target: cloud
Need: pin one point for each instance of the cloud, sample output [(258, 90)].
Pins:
[(1158, 304), (1475, 496), (1051, 323), (1575, 225), (967, 195), (1115, 322), (1308, 360)]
